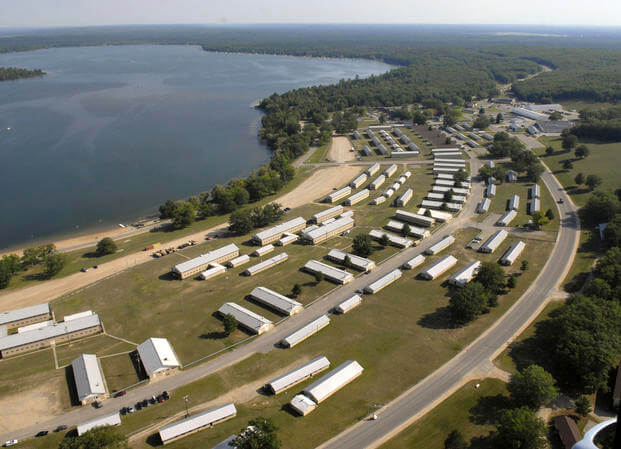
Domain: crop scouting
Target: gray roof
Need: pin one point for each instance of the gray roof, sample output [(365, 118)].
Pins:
[(197, 421), (205, 258), (157, 354), (113, 419), (44, 333), (88, 377), (21, 314)]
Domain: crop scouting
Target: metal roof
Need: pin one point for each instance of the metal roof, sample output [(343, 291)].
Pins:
[(439, 267), (364, 193), (437, 215), (534, 205), (333, 381), (264, 250), (239, 260), (484, 205), (507, 218), (372, 169), (395, 240), (280, 229), (397, 226), (268, 263), (246, 318), (512, 253), (34, 326), (300, 373), (198, 421), (306, 331), (157, 354), (328, 212), (77, 315), (494, 241), (441, 245), (378, 182), (414, 262), (514, 202), (340, 193), (390, 170), (205, 258), (276, 301), (225, 444), (405, 198), (302, 404), (361, 263), (358, 180), (22, 314), (535, 191), (328, 271), (465, 275), (330, 227), (440, 196), (349, 304), (113, 419), (411, 217), (88, 377), (384, 281), (47, 332)]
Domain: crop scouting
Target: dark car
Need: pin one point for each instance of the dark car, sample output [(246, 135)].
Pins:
[(60, 428), (42, 433), (138, 405), (165, 395), (95, 266), (97, 404), (120, 393), (83, 270), (145, 403), (561, 201)]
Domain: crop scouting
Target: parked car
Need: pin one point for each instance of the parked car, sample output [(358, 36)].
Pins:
[(83, 269), (42, 433), (165, 395), (120, 393), (95, 266), (10, 443), (97, 404), (60, 428), (130, 410), (145, 403)]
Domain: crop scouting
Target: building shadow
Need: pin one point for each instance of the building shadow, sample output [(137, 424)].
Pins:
[(71, 388)]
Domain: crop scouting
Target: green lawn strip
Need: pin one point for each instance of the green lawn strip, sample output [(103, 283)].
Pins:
[(505, 190), (589, 249), (604, 160), (99, 345), (381, 335), (84, 257), (17, 373), (119, 372), (509, 360), (320, 154), (454, 413)]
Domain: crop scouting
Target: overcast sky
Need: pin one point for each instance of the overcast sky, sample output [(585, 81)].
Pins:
[(44, 13)]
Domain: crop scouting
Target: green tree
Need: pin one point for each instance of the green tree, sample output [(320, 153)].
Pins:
[(318, 277), (167, 209), (37, 254), (612, 233), (538, 219), (520, 428), (363, 245), (240, 222), (593, 181), (448, 141), (583, 406), (582, 151), (347, 262), (511, 282), (481, 122), (5, 274), (534, 171), (598, 288), (499, 118), (184, 215), (106, 246), (427, 213), (296, 290), (105, 437), (406, 230), (260, 434), (468, 303), (460, 176), (491, 276), (579, 179), (384, 240), (569, 141), (601, 207), (448, 196), (229, 323), (550, 214), (555, 116), (54, 263), (419, 118), (455, 440), (532, 387), (524, 265), (567, 164), (549, 151)]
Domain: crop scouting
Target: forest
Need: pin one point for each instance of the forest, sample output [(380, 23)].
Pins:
[(14, 73)]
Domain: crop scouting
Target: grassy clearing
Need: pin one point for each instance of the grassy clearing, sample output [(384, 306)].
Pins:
[(604, 161), (99, 345), (86, 257), (589, 249), (119, 371), (454, 413), (509, 360), (18, 372), (320, 154)]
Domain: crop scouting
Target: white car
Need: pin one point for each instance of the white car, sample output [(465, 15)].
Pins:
[(10, 443)]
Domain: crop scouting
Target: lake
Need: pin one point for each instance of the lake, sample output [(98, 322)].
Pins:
[(112, 132)]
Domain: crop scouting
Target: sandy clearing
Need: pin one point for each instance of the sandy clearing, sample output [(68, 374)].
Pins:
[(32, 406), (339, 150), (318, 184)]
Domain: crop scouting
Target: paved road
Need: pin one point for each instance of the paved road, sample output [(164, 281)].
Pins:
[(412, 404), (263, 343)]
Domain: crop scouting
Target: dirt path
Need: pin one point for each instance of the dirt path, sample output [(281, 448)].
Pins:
[(318, 184), (339, 150)]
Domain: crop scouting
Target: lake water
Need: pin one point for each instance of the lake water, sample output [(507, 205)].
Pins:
[(112, 132)]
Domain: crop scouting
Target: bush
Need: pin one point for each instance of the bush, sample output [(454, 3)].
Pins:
[(230, 324), (532, 387), (363, 245), (106, 246)]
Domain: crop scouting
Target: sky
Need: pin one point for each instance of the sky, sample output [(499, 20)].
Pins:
[(55, 13)]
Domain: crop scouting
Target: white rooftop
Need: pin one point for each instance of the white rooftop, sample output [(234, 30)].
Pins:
[(88, 378), (113, 419), (197, 421), (26, 312), (157, 354), (280, 229), (205, 258)]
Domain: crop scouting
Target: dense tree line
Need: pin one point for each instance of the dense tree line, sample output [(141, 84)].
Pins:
[(43, 255), (14, 73), (522, 161), (243, 221)]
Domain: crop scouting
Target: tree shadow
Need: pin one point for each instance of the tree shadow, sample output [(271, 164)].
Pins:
[(154, 440), (37, 277), (439, 319), (483, 442), (488, 409), (213, 336)]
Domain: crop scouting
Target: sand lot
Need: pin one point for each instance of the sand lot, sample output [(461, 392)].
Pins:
[(339, 150)]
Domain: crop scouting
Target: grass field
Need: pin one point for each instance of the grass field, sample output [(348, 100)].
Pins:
[(456, 412), (320, 154), (385, 334), (604, 160)]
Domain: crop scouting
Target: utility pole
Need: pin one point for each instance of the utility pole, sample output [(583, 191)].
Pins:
[(187, 411)]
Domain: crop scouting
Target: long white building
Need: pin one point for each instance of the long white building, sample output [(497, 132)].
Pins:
[(534, 206), (25, 316), (329, 272), (383, 282), (266, 264), (507, 218), (247, 319), (348, 304), (327, 214), (338, 195), (323, 233), (465, 275), (394, 240), (397, 226), (357, 197), (514, 202), (358, 181), (332, 382), (357, 262), (194, 423), (429, 204), (113, 419), (535, 191), (438, 215), (441, 245), (390, 170), (512, 253), (483, 206), (274, 233), (305, 331), (494, 241), (372, 169), (414, 262), (88, 377), (416, 219), (298, 375), (405, 198), (439, 268), (276, 301), (377, 182), (199, 264), (434, 196)]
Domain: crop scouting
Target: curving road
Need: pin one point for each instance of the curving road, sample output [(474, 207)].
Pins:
[(425, 395)]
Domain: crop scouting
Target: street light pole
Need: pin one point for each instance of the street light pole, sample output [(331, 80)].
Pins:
[(187, 411)]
